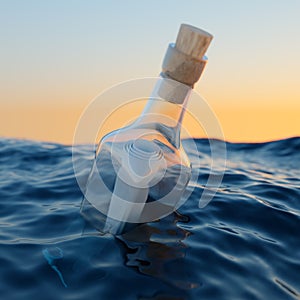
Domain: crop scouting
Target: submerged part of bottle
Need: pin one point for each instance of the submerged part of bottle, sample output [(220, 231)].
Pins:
[(141, 171), (134, 181)]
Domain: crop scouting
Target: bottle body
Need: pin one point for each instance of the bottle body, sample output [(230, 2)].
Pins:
[(140, 171)]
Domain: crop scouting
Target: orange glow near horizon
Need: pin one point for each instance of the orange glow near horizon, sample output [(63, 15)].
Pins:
[(239, 124)]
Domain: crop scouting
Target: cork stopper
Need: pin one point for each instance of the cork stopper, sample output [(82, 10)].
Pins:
[(193, 41), (185, 60)]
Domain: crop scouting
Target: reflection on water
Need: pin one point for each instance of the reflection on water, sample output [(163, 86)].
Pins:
[(158, 250)]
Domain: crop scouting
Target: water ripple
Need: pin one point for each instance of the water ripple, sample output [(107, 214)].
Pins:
[(243, 245)]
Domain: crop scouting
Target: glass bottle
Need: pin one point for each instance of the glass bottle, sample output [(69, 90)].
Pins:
[(140, 172)]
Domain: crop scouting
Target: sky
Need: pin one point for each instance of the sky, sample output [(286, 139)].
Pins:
[(56, 56)]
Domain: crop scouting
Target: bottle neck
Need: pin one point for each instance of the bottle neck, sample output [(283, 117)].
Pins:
[(166, 107), (181, 69)]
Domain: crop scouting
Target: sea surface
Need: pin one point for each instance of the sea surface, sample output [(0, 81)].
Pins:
[(245, 244)]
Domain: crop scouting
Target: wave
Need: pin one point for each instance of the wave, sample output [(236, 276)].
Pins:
[(243, 245)]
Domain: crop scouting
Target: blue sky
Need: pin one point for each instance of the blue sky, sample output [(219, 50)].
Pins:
[(66, 52)]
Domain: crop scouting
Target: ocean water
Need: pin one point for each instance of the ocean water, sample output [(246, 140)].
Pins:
[(245, 244)]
